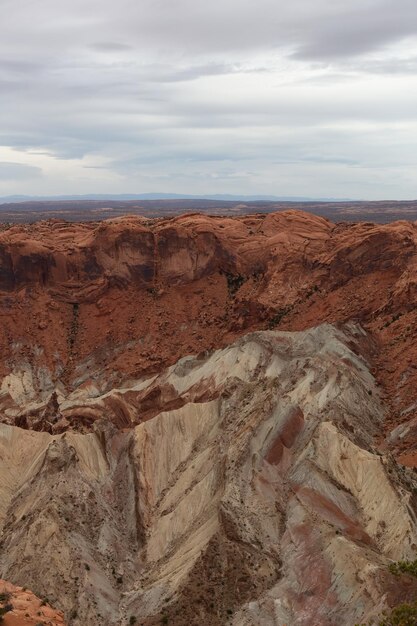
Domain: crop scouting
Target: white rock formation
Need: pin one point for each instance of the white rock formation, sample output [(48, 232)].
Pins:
[(243, 487)]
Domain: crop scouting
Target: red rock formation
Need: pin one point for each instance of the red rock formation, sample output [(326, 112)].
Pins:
[(259, 449), (129, 296), (25, 609)]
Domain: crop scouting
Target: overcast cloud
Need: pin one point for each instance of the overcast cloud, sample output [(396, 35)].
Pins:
[(269, 97)]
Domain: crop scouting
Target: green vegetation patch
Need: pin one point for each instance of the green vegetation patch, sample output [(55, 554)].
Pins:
[(234, 282), (401, 615), (403, 567), (279, 315)]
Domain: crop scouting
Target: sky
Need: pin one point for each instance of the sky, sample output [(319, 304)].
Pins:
[(285, 97)]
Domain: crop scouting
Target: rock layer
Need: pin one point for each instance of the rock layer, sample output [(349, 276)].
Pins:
[(101, 302), (254, 495), (168, 455)]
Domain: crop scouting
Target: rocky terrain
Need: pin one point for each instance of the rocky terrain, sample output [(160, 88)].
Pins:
[(209, 420), (84, 209)]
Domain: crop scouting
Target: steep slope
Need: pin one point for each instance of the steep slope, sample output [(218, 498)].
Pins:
[(252, 493), (101, 302), (167, 455)]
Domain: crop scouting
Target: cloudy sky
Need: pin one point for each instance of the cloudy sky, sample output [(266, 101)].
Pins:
[(306, 98)]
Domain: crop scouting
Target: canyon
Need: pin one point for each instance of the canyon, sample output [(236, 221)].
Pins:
[(208, 419)]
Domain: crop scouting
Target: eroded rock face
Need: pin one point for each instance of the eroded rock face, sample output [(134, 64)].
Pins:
[(244, 487), (98, 303), (167, 454)]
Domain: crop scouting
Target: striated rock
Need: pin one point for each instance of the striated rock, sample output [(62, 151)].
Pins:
[(252, 492), (208, 420), (96, 303)]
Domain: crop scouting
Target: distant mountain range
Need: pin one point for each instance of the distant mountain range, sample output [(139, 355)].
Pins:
[(169, 196)]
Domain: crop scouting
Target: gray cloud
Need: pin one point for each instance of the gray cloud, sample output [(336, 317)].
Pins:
[(18, 172), (358, 29), (118, 97), (110, 46)]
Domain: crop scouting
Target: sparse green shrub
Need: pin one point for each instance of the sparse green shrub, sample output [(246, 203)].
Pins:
[(276, 319), (74, 326), (311, 292), (132, 619), (401, 615), (403, 567), (234, 282)]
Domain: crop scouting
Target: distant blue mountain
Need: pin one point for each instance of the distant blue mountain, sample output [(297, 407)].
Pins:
[(169, 196)]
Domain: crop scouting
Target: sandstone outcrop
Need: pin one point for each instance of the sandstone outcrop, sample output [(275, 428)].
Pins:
[(209, 420), (20, 607), (253, 493), (131, 295)]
